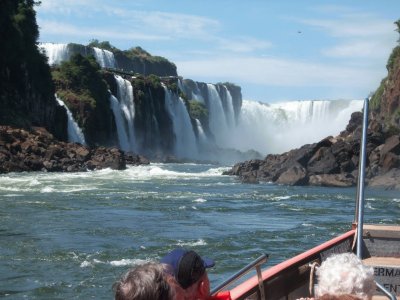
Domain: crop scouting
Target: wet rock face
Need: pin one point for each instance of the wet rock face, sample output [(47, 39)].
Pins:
[(37, 150), (331, 162)]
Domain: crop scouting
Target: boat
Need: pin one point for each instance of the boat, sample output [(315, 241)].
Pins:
[(376, 245)]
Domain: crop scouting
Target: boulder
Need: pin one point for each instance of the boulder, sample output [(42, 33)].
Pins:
[(295, 175), (338, 180), (389, 180)]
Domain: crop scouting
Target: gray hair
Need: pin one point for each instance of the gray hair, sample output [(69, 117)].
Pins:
[(144, 282), (345, 274)]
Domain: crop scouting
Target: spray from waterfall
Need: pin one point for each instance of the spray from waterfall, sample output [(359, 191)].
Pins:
[(75, 134), (280, 127)]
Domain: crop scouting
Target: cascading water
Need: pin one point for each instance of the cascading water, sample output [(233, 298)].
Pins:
[(217, 118), (124, 114), (75, 134), (105, 58), (202, 135), (185, 143), (56, 53), (120, 123), (279, 127), (230, 115)]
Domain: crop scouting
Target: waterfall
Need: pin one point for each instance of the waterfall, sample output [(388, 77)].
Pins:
[(185, 139), (104, 57), (217, 118), (56, 53), (75, 134), (202, 135), (229, 114), (124, 113), (280, 127), (120, 123)]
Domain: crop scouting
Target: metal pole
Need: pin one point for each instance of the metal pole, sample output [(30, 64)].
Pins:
[(360, 194), (361, 181), (262, 259)]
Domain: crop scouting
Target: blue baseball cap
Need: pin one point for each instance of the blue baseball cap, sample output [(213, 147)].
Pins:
[(186, 266)]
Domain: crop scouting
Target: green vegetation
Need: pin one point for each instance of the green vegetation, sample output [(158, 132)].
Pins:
[(153, 81), (102, 45), (375, 102), (79, 83), (140, 53), (392, 65), (392, 58), (198, 110)]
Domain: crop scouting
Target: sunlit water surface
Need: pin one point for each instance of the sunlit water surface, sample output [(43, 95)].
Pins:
[(70, 236)]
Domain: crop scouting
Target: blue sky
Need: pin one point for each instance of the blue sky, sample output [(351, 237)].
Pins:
[(275, 50)]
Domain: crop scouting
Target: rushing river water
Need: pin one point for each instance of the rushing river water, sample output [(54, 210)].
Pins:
[(70, 236)]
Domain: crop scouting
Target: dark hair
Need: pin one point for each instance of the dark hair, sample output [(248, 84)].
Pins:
[(144, 282), (191, 268)]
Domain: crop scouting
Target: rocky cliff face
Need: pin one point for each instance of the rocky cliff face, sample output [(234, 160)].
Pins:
[(26, 88)]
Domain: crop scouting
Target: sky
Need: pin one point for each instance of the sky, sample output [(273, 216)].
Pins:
[(276, 51)]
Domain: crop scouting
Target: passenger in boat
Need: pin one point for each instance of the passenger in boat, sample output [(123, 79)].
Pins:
[(189, 270), (345, 274), (147, 281)]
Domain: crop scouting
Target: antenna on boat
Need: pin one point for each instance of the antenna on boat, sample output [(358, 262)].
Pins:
[(359, 213)]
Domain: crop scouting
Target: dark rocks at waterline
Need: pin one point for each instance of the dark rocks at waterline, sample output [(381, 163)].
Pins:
[(330, 162), (37, 150)]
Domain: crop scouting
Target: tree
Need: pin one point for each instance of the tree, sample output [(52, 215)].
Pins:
[(398, 28)]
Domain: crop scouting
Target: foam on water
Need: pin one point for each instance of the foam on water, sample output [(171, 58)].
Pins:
[(199, 242), (47, 189), (127, 262), (116, 263), (159, 171), (200, 200)]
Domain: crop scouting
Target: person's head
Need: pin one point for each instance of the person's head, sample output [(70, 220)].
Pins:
[(143, 282), (189, 270), (343, 274), (340, 297)]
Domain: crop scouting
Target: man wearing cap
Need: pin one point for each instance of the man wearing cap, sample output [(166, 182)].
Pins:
[(189, 270)]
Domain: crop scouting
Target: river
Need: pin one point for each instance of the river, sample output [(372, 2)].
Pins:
[(70, 236)]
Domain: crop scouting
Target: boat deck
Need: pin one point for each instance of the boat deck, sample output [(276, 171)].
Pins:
[(383, 261), (382, 252)]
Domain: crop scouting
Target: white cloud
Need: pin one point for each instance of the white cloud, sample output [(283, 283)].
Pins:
[(359, 48), (279, 72), (353, 26), (70, 7), (53, 29), (357, 36), (153, 23)]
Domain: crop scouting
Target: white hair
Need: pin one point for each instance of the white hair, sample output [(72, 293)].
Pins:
[(345, 273)]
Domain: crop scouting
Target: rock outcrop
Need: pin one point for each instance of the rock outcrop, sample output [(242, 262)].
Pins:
[(332, 161), (37, 150)]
